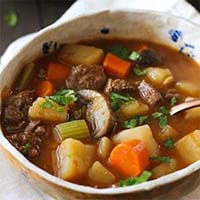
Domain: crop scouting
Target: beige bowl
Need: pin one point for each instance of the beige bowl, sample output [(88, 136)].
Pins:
[(133, 24)]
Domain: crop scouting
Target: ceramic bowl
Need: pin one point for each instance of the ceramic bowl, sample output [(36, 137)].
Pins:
[(130, 24)]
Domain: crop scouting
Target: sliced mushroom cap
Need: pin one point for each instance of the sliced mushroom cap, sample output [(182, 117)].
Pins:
[(99, 113)]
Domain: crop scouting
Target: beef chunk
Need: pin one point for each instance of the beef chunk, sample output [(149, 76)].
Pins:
[(149, 57), (148, 93), (86, 77), (117, 85), (16, 108), (28, 142)]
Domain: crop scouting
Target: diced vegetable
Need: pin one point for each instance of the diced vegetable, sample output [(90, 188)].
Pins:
[(167, 133), (76, 129), (136, 121), (159, 77), (76, 54), (45, 88), (47, 110), (119, 99), (57, 71), (11, 18), (133, 108), (193, 113), (130, 157), (165, 168), (120, 51), (134, 56), (189, 147), (74, 159), (104, 148), (99, 174), (142, 133), (136, 180), (115, 66), (188, 88), (27, 75)]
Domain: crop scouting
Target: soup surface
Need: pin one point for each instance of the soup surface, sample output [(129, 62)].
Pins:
[(97, 113)]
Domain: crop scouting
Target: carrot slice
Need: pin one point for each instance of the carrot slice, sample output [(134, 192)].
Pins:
[(57, 71), (130, 157), (141, 48), (116, 66), (45, 88)]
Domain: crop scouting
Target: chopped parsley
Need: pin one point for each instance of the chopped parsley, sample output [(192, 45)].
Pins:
[(169, 143), (139, 71), (134, 56), (173, 101), (26, 148), (119, 99), (163, 159), (119, 51), (62, 97), (136, 180), (162, 116), (11, 18), (136, 121)]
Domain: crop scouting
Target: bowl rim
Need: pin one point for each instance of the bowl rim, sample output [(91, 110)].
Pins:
[(147, 186)]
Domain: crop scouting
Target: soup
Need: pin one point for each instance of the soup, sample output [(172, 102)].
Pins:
[(97, 113)]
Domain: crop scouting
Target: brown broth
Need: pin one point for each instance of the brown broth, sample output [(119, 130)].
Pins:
[(182, 68)]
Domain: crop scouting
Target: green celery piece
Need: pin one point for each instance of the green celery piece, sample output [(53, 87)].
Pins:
[(76, 129), (134, 56), (139, 72), (163, 159), (11, 18)]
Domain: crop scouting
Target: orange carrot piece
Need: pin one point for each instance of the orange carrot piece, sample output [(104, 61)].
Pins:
[(130, 157), (116, 66), (45, 88), (57, 71), (141, 48)]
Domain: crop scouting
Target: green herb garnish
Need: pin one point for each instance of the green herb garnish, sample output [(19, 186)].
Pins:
[(163, 159), (173, 101), (47, 104), (169, 143), (136, 121), (119, 51), (136, 180), (11, 18), (60, 109), (119, 99), (139, 71), (134, 56), (162, 116), (26, 148), (64, 97)]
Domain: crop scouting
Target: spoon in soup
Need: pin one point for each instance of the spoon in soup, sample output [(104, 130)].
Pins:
[(184, 106)]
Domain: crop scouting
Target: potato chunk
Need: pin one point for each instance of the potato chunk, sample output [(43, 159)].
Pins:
[(99, 174), (188, 88), (47, 114), (74, 159), (193, 113), (167, 133), (189, 147), (159, 77), (165, 168), (142, 133), (133, 108), (76, 54), (104, 148)]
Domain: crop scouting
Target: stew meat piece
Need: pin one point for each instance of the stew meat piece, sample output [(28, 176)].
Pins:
[(148, 93), (86, 77), (117, 85), (16, 110), (150, 57), (28, 142)]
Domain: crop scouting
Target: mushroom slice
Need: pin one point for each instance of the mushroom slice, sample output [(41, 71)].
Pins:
[(99, 113)]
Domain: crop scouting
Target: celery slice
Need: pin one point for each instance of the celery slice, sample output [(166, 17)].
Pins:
[(76, 129), (27, 75)]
